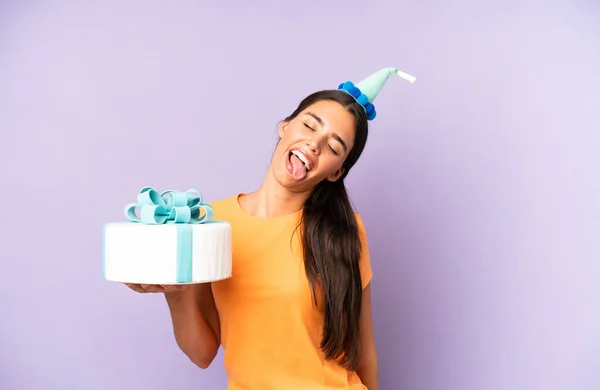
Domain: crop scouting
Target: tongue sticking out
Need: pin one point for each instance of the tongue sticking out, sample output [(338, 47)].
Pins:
[(298, 170)]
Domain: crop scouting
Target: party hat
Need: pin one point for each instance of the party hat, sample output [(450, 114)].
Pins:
[(365, 91)]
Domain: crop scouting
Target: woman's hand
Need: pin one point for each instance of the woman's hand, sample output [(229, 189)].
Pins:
[(156, 288)]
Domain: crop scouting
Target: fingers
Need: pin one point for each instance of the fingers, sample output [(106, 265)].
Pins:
[(154, 288), (136, 287)]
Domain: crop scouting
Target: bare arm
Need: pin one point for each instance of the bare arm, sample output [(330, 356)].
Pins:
[(195, 319), (367, 368)]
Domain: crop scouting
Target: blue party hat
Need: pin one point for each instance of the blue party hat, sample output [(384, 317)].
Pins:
[(365, 91)]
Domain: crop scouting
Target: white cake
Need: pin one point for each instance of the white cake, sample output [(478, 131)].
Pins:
[(157, 250)]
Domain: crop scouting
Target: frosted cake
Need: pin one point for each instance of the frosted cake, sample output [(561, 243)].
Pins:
[(173, 240)]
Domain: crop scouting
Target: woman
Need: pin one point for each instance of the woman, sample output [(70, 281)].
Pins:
[(297, 312)]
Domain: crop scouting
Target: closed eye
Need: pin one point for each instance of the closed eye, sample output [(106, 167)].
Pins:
[(330, 147)]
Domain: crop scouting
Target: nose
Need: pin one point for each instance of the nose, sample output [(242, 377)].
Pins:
[(314, 144)]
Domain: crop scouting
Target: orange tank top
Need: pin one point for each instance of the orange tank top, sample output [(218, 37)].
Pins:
[(270, 327)]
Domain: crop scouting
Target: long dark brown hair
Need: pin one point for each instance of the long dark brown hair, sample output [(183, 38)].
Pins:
[(332, 247)]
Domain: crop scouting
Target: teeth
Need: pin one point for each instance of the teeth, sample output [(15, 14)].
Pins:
[(302, 158)]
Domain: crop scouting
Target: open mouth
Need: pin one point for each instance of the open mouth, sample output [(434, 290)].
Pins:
[(301, 157), (298, 164)]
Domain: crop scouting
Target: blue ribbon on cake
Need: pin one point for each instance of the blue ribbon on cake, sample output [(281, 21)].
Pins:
[(169, 207), (173, 207)]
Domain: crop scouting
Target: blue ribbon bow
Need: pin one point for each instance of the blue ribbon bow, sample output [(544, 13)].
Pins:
[(169, 207)]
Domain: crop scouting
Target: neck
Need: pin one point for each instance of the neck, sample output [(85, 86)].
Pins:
[(272, 199)]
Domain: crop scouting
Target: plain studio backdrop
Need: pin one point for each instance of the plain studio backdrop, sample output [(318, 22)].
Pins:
[(479, 185)]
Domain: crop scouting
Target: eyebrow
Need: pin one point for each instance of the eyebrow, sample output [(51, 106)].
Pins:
[(317, 118), (335, 135)]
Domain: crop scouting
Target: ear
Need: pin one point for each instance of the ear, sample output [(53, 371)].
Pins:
[(336, 175), (282, 128)]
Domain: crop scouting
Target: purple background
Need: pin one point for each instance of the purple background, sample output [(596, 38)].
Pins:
[(479, 185)]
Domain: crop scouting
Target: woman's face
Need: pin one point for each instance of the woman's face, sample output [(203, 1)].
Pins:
[(314, 146)]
